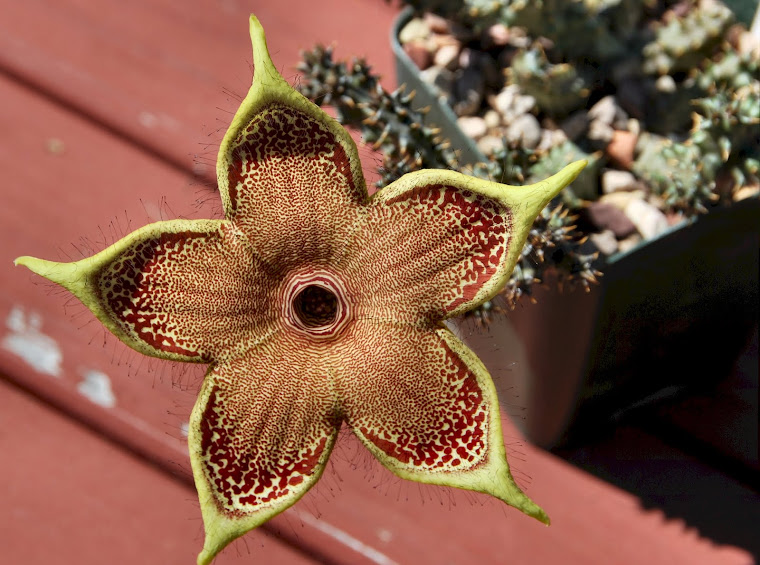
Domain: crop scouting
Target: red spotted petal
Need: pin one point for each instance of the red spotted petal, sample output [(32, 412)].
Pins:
[(189, 290), (260, 435), (289, 175), (426, 408), (429, 251), (406, 393), (194, 293), (291, 188)]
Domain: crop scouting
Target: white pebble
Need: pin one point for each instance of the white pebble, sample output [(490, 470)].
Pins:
[(605, 241), (447, 56), (473, 126), (525, 129), (614, 180), (648, 219)]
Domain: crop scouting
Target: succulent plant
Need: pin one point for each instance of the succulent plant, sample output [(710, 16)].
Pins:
[(732, 70), (578, 29), (724, 145), (682, 43), (728, 122), (509, 164), (553, 240), (532, 72), (676, 172), (387, 120), (667, 64)]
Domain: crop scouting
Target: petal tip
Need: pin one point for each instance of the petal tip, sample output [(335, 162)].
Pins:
[(217, 537), (264, 69), (572, 170), (255, 27), (525, 505), (72, 276), (33, 264), (555, 183), (541, 516), (204, 558), (540, 194)]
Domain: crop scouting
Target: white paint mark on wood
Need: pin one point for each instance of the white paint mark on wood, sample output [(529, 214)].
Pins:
[(346, 539), (384, 535), (26, 340), (96, 387)]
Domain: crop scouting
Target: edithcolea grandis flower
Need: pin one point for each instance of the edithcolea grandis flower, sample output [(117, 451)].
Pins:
[(316, 306)]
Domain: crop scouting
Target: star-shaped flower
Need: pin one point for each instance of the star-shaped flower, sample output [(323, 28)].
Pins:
[(316, 306)]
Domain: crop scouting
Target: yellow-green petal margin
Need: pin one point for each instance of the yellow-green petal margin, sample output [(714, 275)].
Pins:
[(524, 203), (268, 87), (83, 279), (222, 527)]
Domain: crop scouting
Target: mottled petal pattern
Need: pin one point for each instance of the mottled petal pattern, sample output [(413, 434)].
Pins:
[(257, 446), (428, 251), (435, 244), (290, 184), (189, 290), (426, 408), (419, 406), (290, 176)]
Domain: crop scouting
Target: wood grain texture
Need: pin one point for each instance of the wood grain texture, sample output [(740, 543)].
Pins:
[(169, 75)]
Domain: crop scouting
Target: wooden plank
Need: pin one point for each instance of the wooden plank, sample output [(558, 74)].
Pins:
[(65, 180), (70, 497), (156, 71), (592, 521)]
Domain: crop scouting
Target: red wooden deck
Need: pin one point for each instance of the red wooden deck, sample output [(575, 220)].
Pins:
[(109, 118)]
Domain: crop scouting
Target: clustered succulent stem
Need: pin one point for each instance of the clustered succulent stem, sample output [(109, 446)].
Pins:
[(387, 120)]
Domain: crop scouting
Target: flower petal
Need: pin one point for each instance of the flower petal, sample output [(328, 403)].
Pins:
[(187, 290), (289, 175), (439, 243), (426, 407), (260, 435)]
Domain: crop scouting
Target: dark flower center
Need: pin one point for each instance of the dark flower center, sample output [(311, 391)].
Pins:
[(316, 306), (315, 303)]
